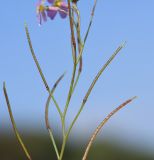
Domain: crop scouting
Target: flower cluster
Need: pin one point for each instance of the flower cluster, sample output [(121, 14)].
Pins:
[(51, 10)]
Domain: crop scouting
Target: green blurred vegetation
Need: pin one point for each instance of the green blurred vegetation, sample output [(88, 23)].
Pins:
[(40, 148)]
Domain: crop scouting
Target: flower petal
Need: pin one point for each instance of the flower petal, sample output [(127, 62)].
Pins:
[(63, 10), (64, 5), (62, 13), (51, 1), (51, 12)]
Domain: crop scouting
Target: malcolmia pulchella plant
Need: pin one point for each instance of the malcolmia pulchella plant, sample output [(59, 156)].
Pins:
[(49, 9)]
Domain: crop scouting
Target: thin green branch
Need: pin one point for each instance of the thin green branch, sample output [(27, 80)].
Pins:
[(39, 68), (87, 32), (94, 135), (74, 52), (73, 42), (78, 32), (102, 70), (35, 59), (53, 142), (48, 100), (47, 114), (92, 86), (73, 81), (77, 25), (76, 81), (63, 148), (86, 97), (91, 20), (14, 124), (69, 96)]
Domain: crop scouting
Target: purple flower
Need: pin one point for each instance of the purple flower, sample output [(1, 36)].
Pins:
[(57, 6), (40, 9)]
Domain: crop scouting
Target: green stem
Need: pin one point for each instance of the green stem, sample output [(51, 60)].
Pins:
[(80, 53), (14, 124), (78, 33), (48, 126), (70, 91), (91, 20), (68, 100), (76, 81), (73, 43), (53, 142), (47, 114), (63, 148), (87, 32), (92, 86), (57, 106), (39, 69)]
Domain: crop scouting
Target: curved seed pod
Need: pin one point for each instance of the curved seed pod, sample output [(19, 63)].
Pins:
[(93, 137)]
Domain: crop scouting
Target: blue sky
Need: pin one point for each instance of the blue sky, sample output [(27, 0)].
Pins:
[(130, 74)]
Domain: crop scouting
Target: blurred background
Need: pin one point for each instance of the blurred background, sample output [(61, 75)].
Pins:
[(129, 134)]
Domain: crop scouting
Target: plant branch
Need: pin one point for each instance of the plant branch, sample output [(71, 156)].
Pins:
[(91, 20), (87, 32), (48, 101), (74, 52), (14, 124), (35, 59), (93, 84), (73, 42), (47, 114), (79, 42), (39, 68), (93, 137)]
